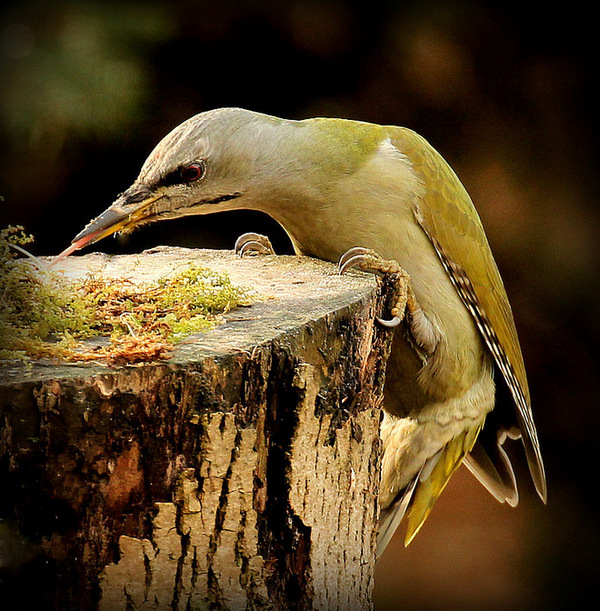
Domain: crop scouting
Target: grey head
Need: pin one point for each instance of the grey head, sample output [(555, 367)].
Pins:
[(218, 160)]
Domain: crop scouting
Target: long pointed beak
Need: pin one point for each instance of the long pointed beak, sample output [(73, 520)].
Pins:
[(127, 211)]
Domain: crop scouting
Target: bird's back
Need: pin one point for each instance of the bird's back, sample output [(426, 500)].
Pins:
[(447, 216)]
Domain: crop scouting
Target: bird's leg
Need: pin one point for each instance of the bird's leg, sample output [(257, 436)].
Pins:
[(405, 306), (253, 243), (369, 261)]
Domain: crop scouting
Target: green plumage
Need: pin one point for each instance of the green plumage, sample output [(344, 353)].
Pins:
[(429, 489), (450, 219), (334, 185)]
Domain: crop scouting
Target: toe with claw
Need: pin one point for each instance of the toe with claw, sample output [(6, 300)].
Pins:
[(253, 244), (424, 333), (369, 261)]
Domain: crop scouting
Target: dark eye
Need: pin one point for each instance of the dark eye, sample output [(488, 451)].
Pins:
[(192, 172)]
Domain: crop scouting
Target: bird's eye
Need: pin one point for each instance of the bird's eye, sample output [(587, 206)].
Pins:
[(192, 172)]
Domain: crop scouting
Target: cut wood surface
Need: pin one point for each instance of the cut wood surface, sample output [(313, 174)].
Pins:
[(241, 473)]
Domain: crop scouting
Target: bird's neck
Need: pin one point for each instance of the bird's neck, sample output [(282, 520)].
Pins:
[(344, 191)]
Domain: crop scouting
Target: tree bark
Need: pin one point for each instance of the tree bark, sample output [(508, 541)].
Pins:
[(242, 473)]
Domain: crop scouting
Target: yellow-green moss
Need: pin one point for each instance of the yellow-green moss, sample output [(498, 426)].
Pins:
[(42, 314)]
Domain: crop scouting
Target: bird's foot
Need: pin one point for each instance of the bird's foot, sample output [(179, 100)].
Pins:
[(253, 244), (424, 333), (369, 261)]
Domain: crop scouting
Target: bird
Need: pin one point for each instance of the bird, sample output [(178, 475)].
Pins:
[(380, 198)]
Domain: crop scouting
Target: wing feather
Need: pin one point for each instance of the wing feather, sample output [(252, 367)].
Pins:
[(448, 217)]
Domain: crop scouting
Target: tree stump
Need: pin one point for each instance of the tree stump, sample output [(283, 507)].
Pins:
[(242, 473)]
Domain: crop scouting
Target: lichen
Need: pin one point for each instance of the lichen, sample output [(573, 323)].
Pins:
[(45, 315)]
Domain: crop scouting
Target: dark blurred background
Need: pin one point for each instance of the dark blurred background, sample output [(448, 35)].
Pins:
[(507, 93)]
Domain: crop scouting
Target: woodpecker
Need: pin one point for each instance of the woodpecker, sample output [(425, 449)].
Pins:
[(379, 198)]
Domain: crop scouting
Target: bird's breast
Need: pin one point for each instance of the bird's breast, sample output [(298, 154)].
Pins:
[(376, 207)]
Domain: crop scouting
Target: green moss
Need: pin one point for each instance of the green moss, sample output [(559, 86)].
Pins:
[(42, 314)]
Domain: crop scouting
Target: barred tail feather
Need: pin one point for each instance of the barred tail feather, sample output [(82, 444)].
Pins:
[(418, 498), (391, 516), (433, 479)]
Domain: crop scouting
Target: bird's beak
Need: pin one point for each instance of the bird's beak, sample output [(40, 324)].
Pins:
[(130, 208)]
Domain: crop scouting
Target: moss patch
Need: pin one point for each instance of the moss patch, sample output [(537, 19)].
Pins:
[(45, 315)]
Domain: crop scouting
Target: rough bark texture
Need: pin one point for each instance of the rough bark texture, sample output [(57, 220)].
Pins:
[(240, 474)]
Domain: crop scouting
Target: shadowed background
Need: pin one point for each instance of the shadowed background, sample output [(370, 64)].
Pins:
[(508, 96)]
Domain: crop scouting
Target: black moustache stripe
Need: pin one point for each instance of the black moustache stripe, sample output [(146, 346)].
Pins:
[(220, 198)]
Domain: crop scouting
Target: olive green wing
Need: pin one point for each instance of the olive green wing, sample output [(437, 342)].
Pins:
[(448, 217)]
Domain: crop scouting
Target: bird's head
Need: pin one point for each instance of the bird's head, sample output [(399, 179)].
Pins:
[(215, 161)]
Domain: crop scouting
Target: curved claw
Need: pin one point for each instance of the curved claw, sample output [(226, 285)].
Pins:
[(245, 237), (253, 242), (253, 246), (368, 260), (391, 323), (350, 263), (354, 253)]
